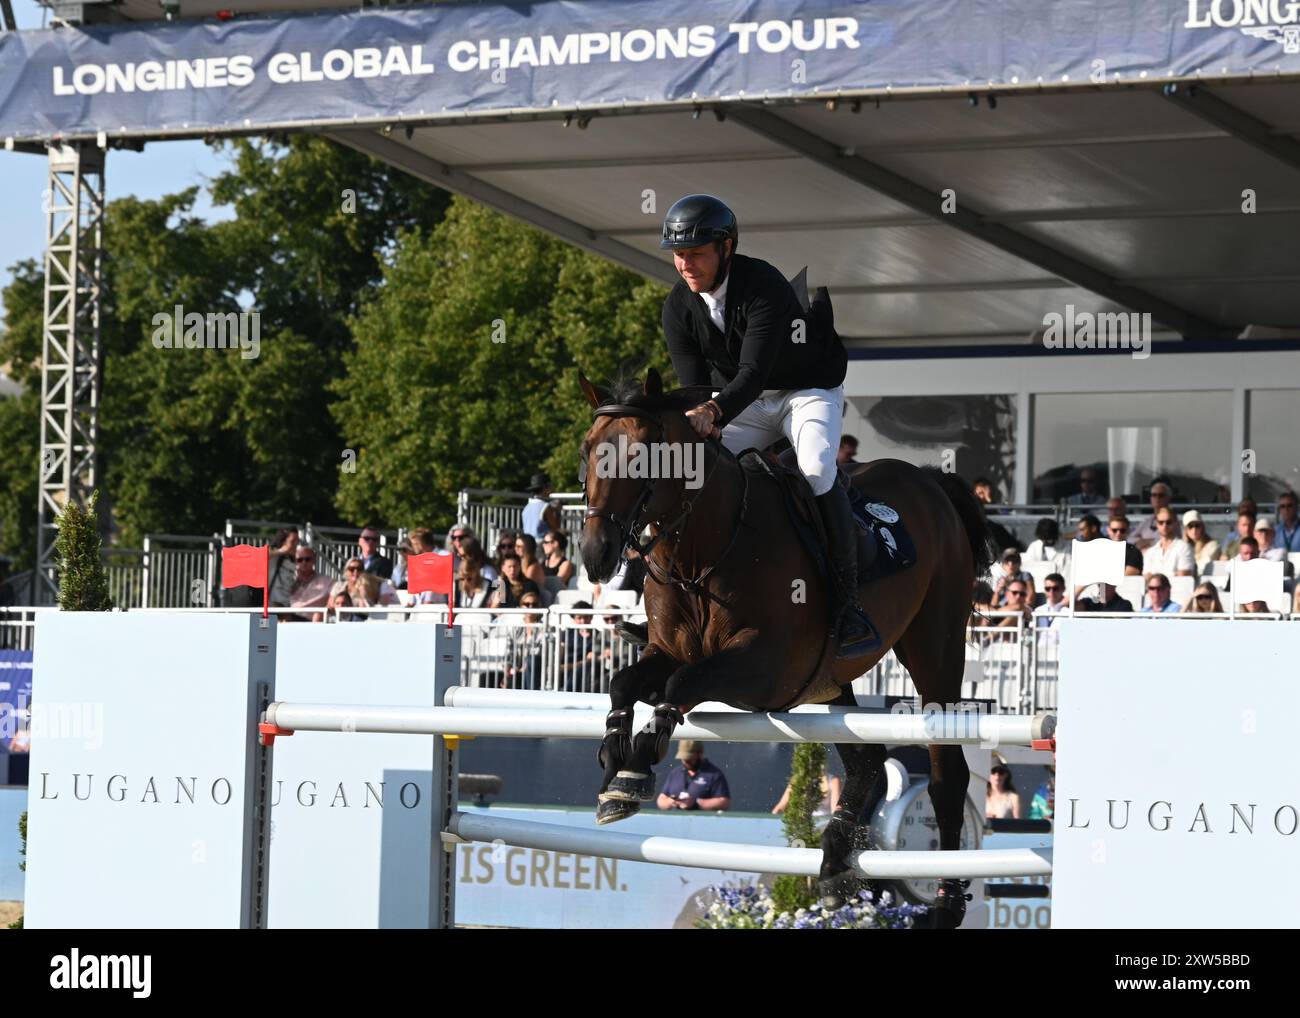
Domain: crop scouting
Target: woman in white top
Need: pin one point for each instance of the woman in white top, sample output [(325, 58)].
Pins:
[(1003, 801), (1204, 550), (1044, 546)]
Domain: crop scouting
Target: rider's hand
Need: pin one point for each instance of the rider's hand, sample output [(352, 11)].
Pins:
[(702, 419)]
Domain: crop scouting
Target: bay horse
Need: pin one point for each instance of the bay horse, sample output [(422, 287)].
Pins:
[(723, 624)]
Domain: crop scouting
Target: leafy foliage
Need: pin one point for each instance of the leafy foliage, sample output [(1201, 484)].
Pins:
[(83, 585), (806, 769), (432, 346), (465, 367)]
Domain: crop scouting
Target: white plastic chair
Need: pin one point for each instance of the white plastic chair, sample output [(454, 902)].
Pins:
[(618, 599), (1133, 590)]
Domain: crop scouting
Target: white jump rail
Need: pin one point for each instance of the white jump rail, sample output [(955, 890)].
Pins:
[(467, 711), (537, 699), (723, 855), (809, 724)]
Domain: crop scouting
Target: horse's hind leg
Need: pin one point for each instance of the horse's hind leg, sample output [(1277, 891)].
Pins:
[(863, 786), (645, 679), (949, 777), (936, 666)]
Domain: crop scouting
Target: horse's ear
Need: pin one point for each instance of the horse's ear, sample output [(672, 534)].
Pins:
[(594, 395), (654, 384)]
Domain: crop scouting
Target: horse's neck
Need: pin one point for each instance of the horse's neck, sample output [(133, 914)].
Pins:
[(699, 540)]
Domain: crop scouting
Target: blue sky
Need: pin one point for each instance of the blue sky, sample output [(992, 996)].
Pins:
[(160, 169)]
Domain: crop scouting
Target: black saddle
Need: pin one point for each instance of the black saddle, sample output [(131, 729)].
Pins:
[(884, 545)]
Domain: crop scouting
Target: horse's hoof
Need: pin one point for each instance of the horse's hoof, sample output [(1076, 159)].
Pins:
[(610, 811), (841, 889), (630, 786)]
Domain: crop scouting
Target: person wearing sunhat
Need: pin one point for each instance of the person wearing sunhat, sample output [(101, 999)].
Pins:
[(541, 515), (1204, 548), (1264, 534), (696, 784)]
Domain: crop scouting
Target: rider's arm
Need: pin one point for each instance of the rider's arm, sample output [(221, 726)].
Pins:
[(765, 330), (688, 359)]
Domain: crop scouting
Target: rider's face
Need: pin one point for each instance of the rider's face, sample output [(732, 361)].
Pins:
[(698, 266)]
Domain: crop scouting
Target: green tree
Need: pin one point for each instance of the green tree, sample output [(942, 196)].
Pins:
[(20, 351), (806, 769), (190, 437), (465, 368), (83, 585)]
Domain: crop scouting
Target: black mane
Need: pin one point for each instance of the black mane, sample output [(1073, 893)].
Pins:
[(631, 392)]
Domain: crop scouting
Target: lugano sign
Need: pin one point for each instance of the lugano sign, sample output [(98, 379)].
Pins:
[(1171, 741)]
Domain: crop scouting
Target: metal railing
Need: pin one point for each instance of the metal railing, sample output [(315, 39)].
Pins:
[(1016, 666), (488, 511), (181, 570)]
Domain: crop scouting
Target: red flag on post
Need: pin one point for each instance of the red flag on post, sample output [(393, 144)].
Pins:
[(433, 573), (242, 565)]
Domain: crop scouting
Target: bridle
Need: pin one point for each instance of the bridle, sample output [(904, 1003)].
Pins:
[(630, 526)]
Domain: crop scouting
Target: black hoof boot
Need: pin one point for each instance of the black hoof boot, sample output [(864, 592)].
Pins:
[(949, 907), (841, 889), (609, 811), (628, 786)]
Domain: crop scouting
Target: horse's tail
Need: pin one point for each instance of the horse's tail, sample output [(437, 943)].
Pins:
[(971, 512)]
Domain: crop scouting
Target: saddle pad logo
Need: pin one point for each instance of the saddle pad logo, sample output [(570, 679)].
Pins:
[(891, 545), (882, 512)]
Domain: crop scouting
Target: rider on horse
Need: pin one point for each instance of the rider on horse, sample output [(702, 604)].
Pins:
[(736, 324)]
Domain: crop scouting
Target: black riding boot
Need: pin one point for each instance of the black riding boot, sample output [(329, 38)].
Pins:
[(856, 633)]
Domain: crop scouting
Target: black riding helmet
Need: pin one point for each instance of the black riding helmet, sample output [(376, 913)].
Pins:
[(701, 219)]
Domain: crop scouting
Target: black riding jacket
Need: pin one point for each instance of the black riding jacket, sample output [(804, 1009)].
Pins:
[(757, 351)]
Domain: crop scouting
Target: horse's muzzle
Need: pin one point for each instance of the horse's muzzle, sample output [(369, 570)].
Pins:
[(600, 549)]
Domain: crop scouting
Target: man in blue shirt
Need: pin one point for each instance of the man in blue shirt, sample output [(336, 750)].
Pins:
[(696, 784), (540, 514), (1158, 595), (1288, 522)]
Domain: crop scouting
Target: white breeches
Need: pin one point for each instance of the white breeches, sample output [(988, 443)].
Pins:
[(810, 418)]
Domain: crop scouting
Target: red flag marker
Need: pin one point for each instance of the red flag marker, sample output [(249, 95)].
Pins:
[(433, 573), (242, 565)]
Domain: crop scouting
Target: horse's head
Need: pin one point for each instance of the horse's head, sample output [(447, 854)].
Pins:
[(637, 458)]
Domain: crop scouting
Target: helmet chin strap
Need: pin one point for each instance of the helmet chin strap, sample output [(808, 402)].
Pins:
[(724, 264)]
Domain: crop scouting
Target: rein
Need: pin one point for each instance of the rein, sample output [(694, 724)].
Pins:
[(677, 527)]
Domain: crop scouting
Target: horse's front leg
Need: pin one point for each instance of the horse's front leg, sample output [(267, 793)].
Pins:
[(738, 673), (646, 680)]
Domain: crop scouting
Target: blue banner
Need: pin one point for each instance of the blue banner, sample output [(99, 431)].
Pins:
[(381, 65), (15, 700)]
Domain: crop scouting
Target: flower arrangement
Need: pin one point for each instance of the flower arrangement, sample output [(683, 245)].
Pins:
[(750, 907)]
